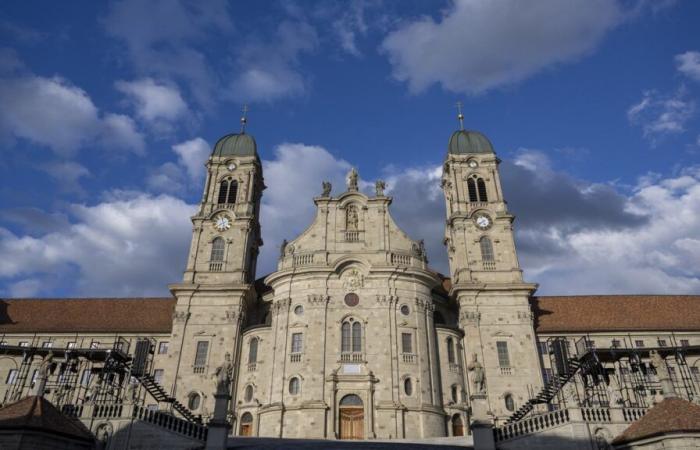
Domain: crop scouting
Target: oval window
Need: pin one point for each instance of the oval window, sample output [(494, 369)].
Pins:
[(248, 393), (408, 386), (510, 404), (194, 401)]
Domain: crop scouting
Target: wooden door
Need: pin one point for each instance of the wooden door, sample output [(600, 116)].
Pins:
[(352, 423), (457, 426), (246, 429)]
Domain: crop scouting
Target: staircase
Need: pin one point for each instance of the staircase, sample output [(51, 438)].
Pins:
[(552, 388), (158, 393)]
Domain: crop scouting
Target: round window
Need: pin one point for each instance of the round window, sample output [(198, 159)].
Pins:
[(352, 299), (405, 310), (298, 310)]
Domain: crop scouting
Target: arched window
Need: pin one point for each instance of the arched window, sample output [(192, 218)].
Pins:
[(228, 191), (351, 400), (253, 351), (481, 187), (471, 186), (454, 392), (450, 350), (510, 404), (408, 386), (486, 249), (248, 396), (246, 424), (294, 385), (217, 249), (193, 401), (223, 191), (351, 337)]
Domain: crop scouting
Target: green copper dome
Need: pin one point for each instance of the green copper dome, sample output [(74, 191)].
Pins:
[(236, 145), (464, 141)]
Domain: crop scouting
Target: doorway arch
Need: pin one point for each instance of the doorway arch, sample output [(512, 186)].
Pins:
[(352, 417), (457, 425), (246, 425)]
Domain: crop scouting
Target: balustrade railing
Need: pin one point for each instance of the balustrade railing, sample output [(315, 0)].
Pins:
[(632, 414), (531, 425), (352, 236), (295, 357), (506, 371), (595, 414), (351, 357), (399, 259), (216, 266), (252, 366), (489, 265), (171, 423), (303, 259), (409, 358)]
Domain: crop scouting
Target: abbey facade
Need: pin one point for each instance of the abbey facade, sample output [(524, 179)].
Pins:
[(354, 336)]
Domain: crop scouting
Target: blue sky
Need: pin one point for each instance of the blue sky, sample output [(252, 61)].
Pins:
[(110, 108)]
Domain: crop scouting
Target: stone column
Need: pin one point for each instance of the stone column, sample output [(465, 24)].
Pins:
[(219, 427), (482, 423)]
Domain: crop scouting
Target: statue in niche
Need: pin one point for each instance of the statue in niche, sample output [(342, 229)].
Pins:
[(478, 377), (352, 180), (379, 187), (222, 375), (327, 186), (352, 218)]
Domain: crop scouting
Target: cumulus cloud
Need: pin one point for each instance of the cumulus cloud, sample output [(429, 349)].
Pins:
[(130, 244), (55, 113), (477, 45), (67, 174), (187, 173), (270, 68), (162, 37), (158, 104), (659, 115), (688, 64)]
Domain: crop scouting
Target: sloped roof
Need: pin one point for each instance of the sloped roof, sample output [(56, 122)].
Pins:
[(37, 413), (70, 315), (586, 313), (672, 415)]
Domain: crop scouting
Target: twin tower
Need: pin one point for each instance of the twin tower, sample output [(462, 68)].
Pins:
[(354, 336)]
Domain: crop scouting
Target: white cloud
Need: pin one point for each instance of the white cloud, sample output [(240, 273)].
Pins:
[(129, 245), (350, 24), (661, 115), (688, 63), (478, 45), (61, 116), (192, 155), (158, 104), (67, 174), (270, 67)]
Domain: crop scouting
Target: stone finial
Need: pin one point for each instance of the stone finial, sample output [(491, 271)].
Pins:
[(379, 187), (352, 180)]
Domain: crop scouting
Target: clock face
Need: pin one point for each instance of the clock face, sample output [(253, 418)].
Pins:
[(222, 223), (483, 221), (473, 164), (231, 167)]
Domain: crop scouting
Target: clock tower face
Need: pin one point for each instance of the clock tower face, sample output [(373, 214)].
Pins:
[(222, 222), (483, 221)]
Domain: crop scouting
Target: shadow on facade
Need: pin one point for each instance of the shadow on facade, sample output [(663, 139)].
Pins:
[(5, 318)]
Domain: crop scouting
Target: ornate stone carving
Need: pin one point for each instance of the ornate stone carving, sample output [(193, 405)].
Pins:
[(316, 299), (352, 180), (327, 186), (525, 316), (354, 280), (352, 219), (379, 187), (181, 316), (231, 315), (281, 305), (477, 375), (470, 316), (387, 300)]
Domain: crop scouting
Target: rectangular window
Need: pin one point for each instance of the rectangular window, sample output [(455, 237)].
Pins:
[(71, 345), (685, 343), (85, 377), (163, 348), (11, 376), (24, 344), (158, 375), (47, 344), (406, 343), (297, 342), (200, 358), (3, 343), (94, 344), (695, 372), (616, 343), (639, 343), (662, 342), (543, 347), (503, 357)]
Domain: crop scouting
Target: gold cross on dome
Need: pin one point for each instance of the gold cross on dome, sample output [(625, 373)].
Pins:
[(460, 116), (244, 119)]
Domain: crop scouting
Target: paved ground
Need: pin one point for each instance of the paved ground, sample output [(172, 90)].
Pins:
[(320, 444)]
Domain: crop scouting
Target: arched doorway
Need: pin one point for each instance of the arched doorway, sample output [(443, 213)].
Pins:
[(352, 417), (457, 425), (246, 425)]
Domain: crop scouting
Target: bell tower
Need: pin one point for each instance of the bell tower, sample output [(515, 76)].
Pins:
[(218, 282), (486, 277)]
